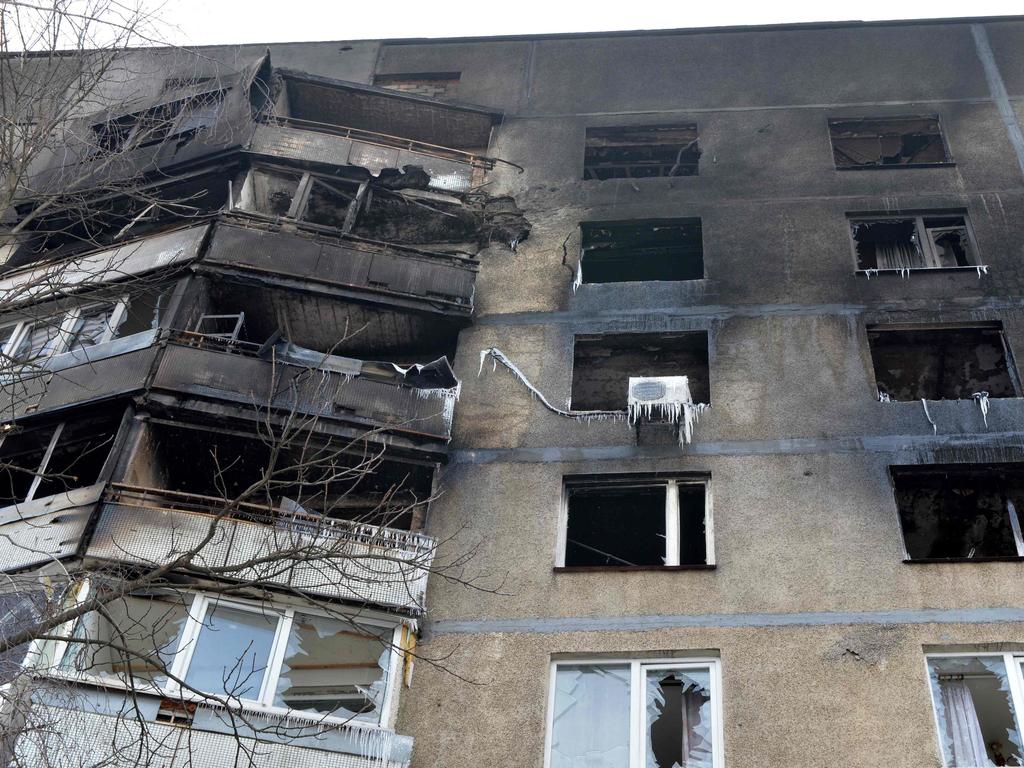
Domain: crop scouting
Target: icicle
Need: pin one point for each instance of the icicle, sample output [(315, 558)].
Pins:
[(883, 397), (935, 428), (870, 272), (982, 398), (497, 356), (982, 269), (579, 276), (450, 396), (513, 244), (904, 272)]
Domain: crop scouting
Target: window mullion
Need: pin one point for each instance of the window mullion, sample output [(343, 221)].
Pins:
[(114, 319), (672, 523), (925, 246), (637, 740), (196, 613), (276, 657), (45, 462)]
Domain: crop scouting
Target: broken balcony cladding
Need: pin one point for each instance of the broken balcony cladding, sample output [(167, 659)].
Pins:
[(701, 347)]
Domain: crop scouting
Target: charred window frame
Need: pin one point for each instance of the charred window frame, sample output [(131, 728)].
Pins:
[(641, 151), (157, 123), (41, 461), (29, 342), (312, 198), (888, 142), (635, 251), (668, 709), (960, 512), (604, 363), (268, 676), (956, 362), (635, 522), (984, 693), (937, 240)]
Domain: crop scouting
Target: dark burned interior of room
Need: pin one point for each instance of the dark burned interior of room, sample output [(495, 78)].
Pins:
[(640, 152), (960, 511), (624, 525), (921, 242), (603, 364), (870, 142), (306, 477), (940, 363), (667, 249), (56, 456)]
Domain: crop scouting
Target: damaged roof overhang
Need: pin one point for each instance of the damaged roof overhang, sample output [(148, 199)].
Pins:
[(366, 107)]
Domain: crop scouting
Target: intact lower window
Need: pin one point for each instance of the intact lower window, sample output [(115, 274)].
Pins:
[(249, 653), (603, 365), (913, 242), (960, 511), (978, 700), (640, 152), (635, 521), (664, 249), (887, 142), (950, 363), (635, 714)]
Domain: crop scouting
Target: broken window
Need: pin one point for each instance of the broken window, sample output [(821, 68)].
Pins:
[(640, 152), (888, 141), (433, 85), (616, 252), (960, 511), (224, 327), (954, 363), (913, 242), (36, 462), (316, 199), (635, 521), (634, 714), (603, 365), (252, 653), (158, 123), (979, 723)]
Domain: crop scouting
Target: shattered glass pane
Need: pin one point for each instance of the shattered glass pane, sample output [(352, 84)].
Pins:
[(977, 723), (590, 723), (272, 192), (678, 721), (334, 668)]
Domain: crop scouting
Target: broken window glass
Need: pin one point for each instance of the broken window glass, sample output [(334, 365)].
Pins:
[(603, 365), (670, 249), (78, 454), (136, 643), (88, 329), (638, 152), (891, 141), (328, 201), (232, 652), (940, 363), (21, 457), (200, 112), (918, 242), (678, 718), (624, 522), (272, 192), (35, 341), (334, 668), (974, 707), (960, 511), (590, 722)]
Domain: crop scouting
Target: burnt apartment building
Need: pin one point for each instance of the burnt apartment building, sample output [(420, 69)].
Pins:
[(635, 400)]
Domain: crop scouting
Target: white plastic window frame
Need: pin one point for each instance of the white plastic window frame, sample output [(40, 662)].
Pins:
[(197, 608), (65, 324), (1014, 675), (671, 486), (638, 701)]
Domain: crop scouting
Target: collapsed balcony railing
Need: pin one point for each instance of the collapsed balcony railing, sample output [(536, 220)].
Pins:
[(386, 140), (331, 557)]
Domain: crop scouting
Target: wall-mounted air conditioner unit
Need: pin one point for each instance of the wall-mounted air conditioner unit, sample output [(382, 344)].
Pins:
[(664, 399)]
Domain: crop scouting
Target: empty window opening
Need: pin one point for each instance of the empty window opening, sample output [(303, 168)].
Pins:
[(890, 141), (941, 363), (42, 461), (433, 85), (224, 327), (640, 152), (603, 365), (617, 252), (601, 713), (960, 511), (974, 707), (158, 123), (316, 199), (630, 522), (913, 242)]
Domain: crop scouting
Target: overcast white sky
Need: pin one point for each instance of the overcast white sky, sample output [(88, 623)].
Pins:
[(209, 22)]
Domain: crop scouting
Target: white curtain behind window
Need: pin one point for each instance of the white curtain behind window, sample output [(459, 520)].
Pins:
[(963, 730)]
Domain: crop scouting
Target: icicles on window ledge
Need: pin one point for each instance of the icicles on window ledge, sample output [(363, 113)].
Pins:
[(935, 427), (982, 270), (982, 398), (576, 283), (883, 397)]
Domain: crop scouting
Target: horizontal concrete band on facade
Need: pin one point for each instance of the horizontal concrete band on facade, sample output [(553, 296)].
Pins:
[(557, 625), (889, 444)]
